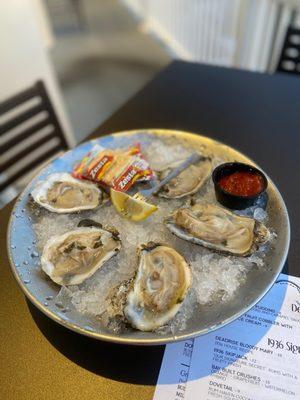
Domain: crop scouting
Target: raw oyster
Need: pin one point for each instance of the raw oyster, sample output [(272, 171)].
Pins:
[(71, 258), (218, 229), (162, 280), (188, 181), (61, 193)]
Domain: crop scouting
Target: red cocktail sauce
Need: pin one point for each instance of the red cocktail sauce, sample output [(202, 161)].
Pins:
[(242, 183)]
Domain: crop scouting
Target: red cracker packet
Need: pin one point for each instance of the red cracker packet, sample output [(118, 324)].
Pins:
[(118, 169)]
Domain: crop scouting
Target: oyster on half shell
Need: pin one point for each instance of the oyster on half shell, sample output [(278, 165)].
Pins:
[(188, 182), (218, 229), (159, 288), (71, 258), (61, 193)]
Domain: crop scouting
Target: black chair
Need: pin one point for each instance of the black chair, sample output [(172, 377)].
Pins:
[(32, 137), (289, 60)]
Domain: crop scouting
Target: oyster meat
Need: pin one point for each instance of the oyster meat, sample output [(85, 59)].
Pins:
[(159, 288), (218, 229), (188, 182), (71, 258), (61, 193)]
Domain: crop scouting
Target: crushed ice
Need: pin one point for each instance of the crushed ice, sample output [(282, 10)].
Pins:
[(214, 275)]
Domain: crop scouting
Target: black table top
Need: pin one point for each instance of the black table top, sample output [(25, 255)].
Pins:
[(255, 113), (258, 114)]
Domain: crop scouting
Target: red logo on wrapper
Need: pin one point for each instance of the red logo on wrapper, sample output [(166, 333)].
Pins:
[(96, 171), (118, 169), (126, 180)]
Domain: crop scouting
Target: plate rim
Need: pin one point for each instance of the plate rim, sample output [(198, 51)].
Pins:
[(140, 341)]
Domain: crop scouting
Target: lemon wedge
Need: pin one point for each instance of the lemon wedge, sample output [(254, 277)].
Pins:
[(131, 208)]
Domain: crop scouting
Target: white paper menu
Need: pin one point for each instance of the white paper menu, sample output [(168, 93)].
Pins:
[(256, 357)]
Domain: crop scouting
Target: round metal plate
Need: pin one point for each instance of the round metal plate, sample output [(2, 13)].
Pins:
[(26, 269)]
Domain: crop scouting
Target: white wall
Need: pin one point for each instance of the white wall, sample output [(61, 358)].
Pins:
[(24, 57), (195, 30), (238, 33), (44, 23)]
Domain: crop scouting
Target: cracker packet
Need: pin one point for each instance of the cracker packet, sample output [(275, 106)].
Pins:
[(114, 168)]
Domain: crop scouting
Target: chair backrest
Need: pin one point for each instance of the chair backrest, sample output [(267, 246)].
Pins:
[(29, 127), (289, 60)]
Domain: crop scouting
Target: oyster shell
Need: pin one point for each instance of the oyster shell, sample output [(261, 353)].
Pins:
[(71, 258), (188, 182), (218, 229), (61, 193), (161, 283)]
